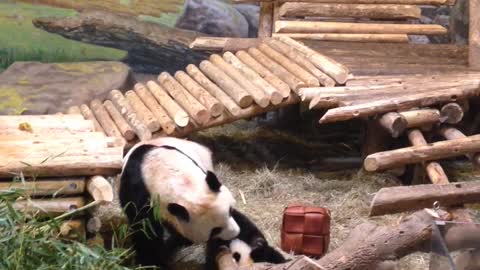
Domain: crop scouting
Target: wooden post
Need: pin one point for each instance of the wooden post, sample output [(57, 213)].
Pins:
[(122, 124), (145, 115), (104, 119), (434, 169), (375, 138), (394, 123), (474, 35), (174, 110), (88, 114), (266, 20)]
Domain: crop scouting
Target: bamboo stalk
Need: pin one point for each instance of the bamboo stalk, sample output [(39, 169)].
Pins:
[(257, 94), (127, 131), (213, 89), (194, 108), (263, 72), (203, 96), (179, 116), (229, 85), (273, 94), (130, 115)]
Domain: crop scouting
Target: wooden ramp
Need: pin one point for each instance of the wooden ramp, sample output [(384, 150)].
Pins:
[(220, 90)]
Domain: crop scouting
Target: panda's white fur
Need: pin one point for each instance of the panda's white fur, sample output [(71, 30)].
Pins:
[(241, 252), (174, 171)]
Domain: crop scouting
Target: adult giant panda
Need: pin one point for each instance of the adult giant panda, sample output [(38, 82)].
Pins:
[(249, 247), (172, 199)]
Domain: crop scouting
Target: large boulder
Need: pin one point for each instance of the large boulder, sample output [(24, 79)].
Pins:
[(213, 17), (37, 88)]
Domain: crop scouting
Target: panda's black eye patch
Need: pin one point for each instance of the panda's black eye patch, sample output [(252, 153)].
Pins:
[(212, 182), (215, 231), (178, 211), (236, 256)]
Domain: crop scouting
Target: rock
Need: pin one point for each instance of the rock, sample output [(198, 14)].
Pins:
[(252, 14), (213, 17), (37, 88)]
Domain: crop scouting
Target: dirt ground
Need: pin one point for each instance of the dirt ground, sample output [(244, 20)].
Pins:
[(266, 169)]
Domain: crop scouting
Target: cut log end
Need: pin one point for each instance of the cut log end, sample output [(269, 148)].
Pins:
[(370, 164), (451, 113), (181, 119)]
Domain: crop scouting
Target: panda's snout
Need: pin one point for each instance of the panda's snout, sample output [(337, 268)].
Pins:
[(230, 231), (236, 256)]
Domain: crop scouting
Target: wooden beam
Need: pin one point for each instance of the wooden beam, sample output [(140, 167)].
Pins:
[(378, 11), (50, 207), (357, 28), (223, 43), (49, 186), (399, 199), (416, 154), (451, 133), (394, 123), (398, 2), (379, 38), (474, 35), (265, 24)]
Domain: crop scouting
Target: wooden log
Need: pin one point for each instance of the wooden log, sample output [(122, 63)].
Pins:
[(100, 189), (292, 67), (400, 103), (73, 229), (273, 94), (104, 119), (394, 123), (293, 82), (474, 35), (75, 164), (257, 94), (213, 89), (195, 109), (399, 2), (50, 207), (127, 131), (144, 114), (434, 169), (32, 123), (451, 133), (416, 154), (330, 67), (378, 38), (266, 74), (265, 24), (230, 86), (88, 114), (167, 124), (74, 110), (44, 187), (201, 94), (52, 151), (379, 11), (175, 112), (130, 115), (358, 28), (222, 44), (421, 117), (451, 113), (399, 199), (302, 61)]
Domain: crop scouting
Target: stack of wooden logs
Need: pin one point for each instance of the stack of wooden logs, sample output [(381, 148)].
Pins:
[(222, 89), (405, 105), (346, 20), (54, 160)]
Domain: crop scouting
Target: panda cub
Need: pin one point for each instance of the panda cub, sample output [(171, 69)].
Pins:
[(172, 199), (249, 247)]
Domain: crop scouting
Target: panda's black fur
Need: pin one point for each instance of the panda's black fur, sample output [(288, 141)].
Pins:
[(154, 242), (261, 251)]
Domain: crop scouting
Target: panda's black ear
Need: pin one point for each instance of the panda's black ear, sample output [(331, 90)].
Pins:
[(178, 211), (212, 182)]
